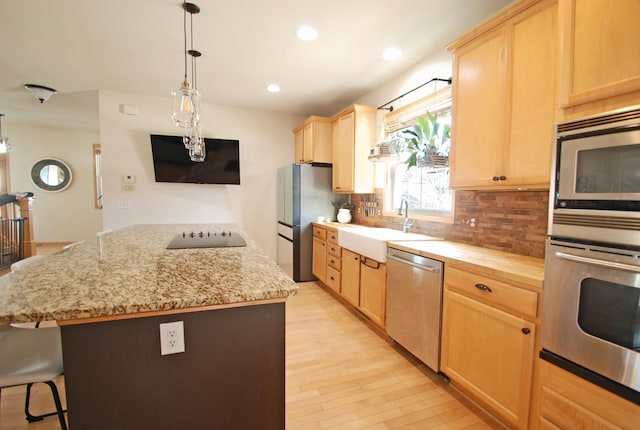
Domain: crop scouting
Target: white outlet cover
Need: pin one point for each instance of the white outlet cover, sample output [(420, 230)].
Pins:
[(171, 338)]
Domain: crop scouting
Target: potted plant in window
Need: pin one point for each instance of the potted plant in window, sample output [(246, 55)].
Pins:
[(427, 142)]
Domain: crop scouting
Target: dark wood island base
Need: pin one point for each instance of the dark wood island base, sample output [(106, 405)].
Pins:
[(231, 375)]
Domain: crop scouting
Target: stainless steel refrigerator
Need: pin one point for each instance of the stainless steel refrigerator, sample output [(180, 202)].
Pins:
[(304, 194)]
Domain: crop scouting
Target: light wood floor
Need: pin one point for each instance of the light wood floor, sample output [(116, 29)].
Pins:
[(340, 374)]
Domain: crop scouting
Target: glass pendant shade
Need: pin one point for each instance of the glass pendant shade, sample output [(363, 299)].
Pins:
[(192, 136), (197, 150), (185, 106), (5, 146)]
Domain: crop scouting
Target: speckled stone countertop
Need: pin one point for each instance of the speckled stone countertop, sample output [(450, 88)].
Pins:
[(130, 271)]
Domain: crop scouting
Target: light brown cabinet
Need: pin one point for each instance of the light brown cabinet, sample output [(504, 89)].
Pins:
[(354, 133), (319, 252), (488, 342), (570, 402), (373, 281), (600, 51), (351, 277), (313, 140), (334, 261), (504, 100)]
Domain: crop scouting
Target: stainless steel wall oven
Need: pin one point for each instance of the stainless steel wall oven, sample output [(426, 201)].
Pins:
[(591, 307)]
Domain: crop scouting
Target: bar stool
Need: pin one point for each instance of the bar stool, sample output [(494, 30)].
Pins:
[(29, 356)]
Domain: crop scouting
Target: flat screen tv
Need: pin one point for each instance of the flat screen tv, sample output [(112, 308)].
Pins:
[(171, 162)]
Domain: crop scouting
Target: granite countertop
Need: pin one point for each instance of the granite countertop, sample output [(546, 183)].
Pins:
[(526, 271), (130, 271)]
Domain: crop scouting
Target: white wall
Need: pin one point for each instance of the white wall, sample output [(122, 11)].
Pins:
[(65, 216), (266, 143)]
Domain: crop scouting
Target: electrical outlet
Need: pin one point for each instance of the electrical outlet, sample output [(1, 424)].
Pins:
[(171, 338), (473, 223)]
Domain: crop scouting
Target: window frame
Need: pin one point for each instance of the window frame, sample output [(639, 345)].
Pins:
[(437, 102)]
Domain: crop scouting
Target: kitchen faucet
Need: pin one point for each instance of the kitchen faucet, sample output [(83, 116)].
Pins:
[(407, 222)]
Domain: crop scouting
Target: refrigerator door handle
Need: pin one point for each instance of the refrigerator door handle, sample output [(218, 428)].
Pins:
[(285, 237)]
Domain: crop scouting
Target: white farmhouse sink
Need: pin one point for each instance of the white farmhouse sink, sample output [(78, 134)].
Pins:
[(372, 241)]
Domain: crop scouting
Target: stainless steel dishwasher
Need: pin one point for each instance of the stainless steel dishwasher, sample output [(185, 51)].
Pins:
[(414, 304)]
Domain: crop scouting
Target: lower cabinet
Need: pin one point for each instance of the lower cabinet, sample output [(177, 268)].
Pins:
[(373, 278), (488, 350), (319, 251), (351, 277), (359, 280), (568, 402)]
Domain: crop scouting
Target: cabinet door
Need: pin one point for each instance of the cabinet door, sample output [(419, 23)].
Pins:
[(373, 278), (533, 96), (477, 134), (343, 153), (319, 262), (350, 289), (299, 146), (489, 353), (600, 49), (307, 143)]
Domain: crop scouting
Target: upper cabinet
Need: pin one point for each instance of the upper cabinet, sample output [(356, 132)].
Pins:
[(600, 51), (313, 141), (504, 99), (354, 133)]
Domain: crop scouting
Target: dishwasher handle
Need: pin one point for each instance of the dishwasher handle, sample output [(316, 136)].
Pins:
[(411, 263)]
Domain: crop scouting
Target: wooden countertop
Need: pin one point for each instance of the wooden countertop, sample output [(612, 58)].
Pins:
[(129, 271), (526, 271), (520, 269)]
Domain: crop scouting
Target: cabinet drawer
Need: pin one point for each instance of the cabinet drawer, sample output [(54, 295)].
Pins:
[(334, 250), (320, 233), (332, 235), (512, 299), (333, 279), (334, 262)]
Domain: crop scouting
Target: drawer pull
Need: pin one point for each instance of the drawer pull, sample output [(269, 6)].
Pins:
[(333, 279), (526, 330), (483, 287), (333, 261)]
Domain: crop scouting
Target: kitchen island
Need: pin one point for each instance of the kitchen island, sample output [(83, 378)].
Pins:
[(110, 295)]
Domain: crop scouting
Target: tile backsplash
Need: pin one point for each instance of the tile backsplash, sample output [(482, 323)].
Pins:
[(511, 221)]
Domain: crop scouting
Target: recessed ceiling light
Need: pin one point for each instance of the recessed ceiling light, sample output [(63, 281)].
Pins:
[(391, 54), (273, 88), (306, 32)]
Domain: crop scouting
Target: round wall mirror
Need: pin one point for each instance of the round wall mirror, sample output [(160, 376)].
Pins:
[(51, 175)]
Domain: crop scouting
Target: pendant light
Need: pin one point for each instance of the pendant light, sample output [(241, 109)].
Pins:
[(186, 100), (5, 146)]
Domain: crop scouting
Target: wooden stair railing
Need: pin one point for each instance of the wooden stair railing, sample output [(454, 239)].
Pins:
[(16, 228)]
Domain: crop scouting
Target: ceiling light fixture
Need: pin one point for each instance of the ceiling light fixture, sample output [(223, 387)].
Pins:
[(273, 88), (391, 54), (307, 33), (5, 146), (42, 93), (186, 99)]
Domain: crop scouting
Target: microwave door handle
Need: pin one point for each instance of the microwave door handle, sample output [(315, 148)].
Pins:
[(597, 262)]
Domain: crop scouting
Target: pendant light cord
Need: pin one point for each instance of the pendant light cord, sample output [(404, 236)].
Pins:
[(184, 27)]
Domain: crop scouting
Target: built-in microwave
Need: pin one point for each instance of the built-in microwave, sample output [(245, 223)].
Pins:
[(595, 184)]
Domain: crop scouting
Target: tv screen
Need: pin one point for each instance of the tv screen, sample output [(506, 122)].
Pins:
[(171, 162)]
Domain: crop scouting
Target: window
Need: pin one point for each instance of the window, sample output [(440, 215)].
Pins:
[(97, 176), (425, 186)]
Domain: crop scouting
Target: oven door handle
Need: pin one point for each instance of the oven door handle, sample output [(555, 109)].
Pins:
[(598, 262)]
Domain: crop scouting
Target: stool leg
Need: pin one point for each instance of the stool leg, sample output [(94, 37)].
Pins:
[(56, 398)]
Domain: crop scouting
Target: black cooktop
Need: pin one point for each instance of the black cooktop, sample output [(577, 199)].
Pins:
[(225, 239)]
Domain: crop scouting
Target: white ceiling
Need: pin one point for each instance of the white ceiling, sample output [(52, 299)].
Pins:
[(136, 46)]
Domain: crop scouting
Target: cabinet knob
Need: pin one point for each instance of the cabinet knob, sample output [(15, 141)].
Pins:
[(499, 178), (526, 330), (483, 287)]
